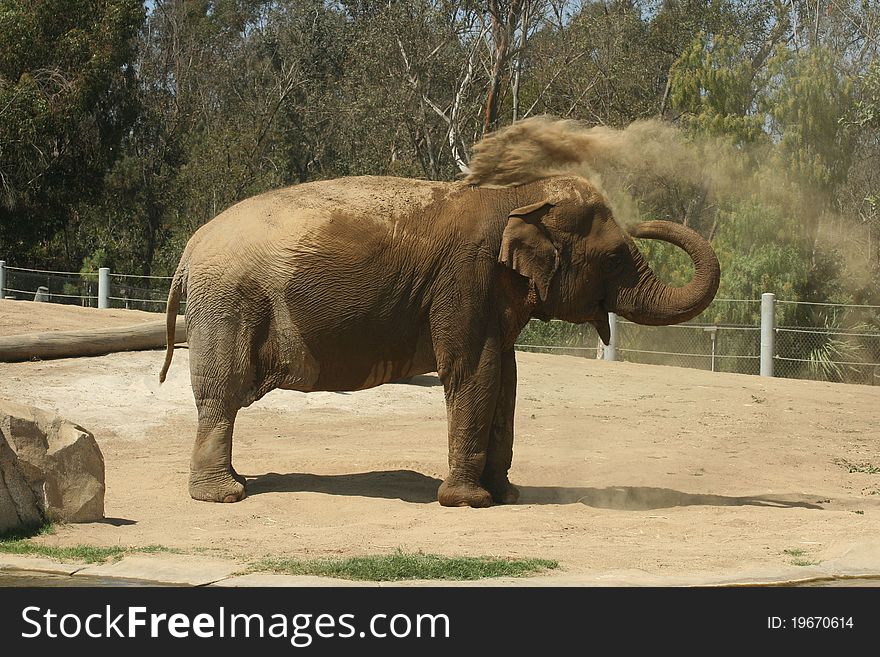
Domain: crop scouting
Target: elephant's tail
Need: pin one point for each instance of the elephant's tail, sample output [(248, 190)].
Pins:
[(174, 294)]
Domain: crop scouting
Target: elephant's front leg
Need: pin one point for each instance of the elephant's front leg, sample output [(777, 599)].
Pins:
[(500, 450), (471, 387)]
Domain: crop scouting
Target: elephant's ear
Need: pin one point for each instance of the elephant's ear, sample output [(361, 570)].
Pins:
[(526, 247)]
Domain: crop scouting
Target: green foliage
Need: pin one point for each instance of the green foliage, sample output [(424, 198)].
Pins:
[(713, 83), (122, 132), (760, 250), (863, 468), (66, 82), (865, 111), (608, 60), (807, 106), (800, 557), (93, 262), (670, 263), (558, 338), (404, 566)]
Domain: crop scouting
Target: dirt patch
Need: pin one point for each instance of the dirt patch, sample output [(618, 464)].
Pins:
[(30, 317), (637, 469)]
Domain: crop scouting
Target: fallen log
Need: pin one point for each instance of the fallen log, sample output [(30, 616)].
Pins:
[(94, 342)]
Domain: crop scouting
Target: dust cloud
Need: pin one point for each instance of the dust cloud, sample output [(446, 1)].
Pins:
[(654, 170), (633, 166)]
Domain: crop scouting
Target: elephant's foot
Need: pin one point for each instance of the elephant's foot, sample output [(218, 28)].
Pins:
[(239, 478), (502, 491), (226, 486), (463, 494)]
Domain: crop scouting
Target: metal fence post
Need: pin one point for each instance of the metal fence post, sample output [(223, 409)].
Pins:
[(713, 336), (768, 332), (2, 279), (610, 351), (104, 287)]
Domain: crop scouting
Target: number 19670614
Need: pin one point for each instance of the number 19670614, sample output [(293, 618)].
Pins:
[(810, 623)]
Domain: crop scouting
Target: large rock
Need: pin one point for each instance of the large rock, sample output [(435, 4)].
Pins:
[(60, 461), (18, 504)]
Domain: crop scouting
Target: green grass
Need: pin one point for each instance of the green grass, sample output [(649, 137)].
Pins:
[(20, 542), (403, 566), (798, 559), (27, 532), (376, 568), (864, 468), (86, 553)]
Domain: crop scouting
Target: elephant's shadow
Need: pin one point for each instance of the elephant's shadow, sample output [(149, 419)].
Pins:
[(415, 487)]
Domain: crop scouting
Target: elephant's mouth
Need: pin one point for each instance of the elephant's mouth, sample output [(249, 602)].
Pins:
[(595, 314)]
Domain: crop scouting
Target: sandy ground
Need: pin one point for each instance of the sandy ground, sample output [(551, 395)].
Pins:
[(623, 468)]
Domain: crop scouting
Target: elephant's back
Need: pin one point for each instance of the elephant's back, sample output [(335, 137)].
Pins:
[(273, 237), (283, 216), (377, 196)]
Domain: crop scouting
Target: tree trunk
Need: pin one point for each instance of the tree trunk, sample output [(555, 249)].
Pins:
[(66, 344)]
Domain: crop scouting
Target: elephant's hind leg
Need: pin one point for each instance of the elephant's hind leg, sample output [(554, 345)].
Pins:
[(212, 477), (221, 369)]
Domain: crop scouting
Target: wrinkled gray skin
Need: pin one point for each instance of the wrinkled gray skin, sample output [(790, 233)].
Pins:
[(347, 284)]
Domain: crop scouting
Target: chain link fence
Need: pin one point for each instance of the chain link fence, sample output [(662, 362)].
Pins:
[(724, 338), (558, 337), (828, 342), (129, 291), (819, 341), (149, 293), (56, 286)]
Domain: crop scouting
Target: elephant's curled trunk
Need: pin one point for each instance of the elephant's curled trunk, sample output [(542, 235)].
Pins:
[(650, 301)]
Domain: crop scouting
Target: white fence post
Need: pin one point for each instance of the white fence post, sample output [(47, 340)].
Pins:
[(610, 351), (768, 332), (104, 287), (2, 279), (713, 336)]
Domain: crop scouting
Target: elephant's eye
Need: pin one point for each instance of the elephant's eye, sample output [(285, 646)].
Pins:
[(611, 264)]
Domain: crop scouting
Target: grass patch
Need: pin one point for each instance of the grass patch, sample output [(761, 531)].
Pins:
[(86, 553), (799, 559), (403, 566), (19, 542), (27, 532), (864, 468), (155, 549)]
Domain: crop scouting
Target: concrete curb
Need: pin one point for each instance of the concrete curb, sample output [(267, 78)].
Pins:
[(38, 564), (182, 570)]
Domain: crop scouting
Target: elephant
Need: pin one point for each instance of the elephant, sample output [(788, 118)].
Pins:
[(349, 283)]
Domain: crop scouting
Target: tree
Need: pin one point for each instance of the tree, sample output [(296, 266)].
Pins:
[(66, 87)]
